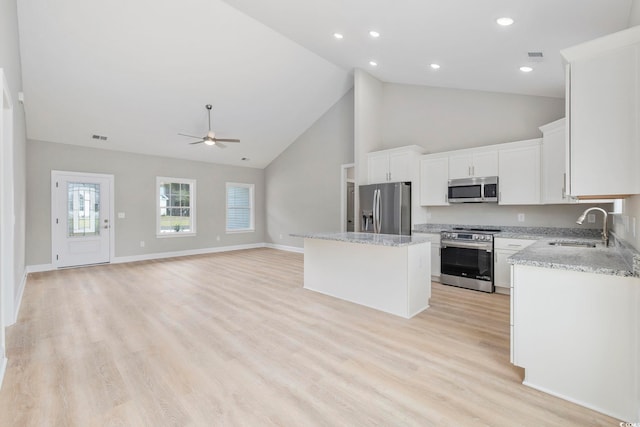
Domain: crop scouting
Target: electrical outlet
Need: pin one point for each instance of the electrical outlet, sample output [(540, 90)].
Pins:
[(280, 236), (428, 215), (218, 238), (142, 243), (120, 215), (591, 218), (520, 217)]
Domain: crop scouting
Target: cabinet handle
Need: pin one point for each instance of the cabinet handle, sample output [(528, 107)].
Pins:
[(468, 170), (564, 185), (473, 170)]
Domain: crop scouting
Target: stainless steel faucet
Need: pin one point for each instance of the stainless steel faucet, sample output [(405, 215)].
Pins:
[(605, 235)]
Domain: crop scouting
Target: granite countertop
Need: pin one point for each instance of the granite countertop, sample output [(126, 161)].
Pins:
[(619, 259), (366, 238), (599, 260)]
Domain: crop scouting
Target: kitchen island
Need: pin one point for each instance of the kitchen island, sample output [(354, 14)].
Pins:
[(390, 273)]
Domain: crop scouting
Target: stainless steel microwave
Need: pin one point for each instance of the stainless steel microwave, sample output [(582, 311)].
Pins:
[(473, 190)]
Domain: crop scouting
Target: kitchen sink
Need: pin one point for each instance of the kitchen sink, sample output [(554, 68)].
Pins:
[(573, 244)]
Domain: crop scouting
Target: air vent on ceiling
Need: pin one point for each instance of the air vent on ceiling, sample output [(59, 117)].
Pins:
[(535, 56), (99, 137)]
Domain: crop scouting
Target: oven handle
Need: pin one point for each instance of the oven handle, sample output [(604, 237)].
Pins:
[(467, 245)]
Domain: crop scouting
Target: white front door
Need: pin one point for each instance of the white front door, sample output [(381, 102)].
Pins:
[(81, 218)]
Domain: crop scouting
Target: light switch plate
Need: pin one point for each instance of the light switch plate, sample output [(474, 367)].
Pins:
[(520, 217)]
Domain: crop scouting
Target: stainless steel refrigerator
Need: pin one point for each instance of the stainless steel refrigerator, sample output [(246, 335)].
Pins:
[(386, 208)]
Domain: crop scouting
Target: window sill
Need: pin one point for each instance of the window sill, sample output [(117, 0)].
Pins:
[(166, 235), (248, 230)]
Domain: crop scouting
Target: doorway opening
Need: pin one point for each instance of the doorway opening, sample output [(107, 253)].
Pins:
[(347, 198)]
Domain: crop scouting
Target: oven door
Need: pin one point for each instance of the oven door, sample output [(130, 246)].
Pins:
[(467, 264)]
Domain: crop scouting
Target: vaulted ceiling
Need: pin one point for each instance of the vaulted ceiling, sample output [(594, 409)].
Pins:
[(141, 71)]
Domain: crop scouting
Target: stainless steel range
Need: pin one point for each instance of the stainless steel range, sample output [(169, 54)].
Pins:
[(467, 258)]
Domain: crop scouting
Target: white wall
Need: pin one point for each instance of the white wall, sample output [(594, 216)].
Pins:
[(368, 120), (634, 16), (10, 63), (135, 195), (303, 183)]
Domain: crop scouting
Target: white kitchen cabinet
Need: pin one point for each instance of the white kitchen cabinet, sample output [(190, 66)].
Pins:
[(434, 177), (519, 173), (503, 249), (473, 163), (435, 254), (553, 164), (575, 334), (397, 164), (603, 80)]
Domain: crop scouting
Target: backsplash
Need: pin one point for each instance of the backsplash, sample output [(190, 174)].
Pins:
[(562, 216)]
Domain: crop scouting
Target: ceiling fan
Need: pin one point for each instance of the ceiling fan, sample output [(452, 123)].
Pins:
[(210, 137)]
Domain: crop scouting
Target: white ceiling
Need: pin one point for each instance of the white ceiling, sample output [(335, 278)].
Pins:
[(141, 71)]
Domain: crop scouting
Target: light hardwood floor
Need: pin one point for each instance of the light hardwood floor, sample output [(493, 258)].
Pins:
[(233, 339)]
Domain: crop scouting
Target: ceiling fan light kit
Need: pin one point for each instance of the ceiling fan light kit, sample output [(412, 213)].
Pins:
[(210, 137)]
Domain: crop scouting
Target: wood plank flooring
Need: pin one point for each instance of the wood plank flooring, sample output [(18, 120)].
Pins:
[(232, 339)]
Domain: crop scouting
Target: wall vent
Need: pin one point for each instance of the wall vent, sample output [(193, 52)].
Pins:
[(99, 137), (535, 56)]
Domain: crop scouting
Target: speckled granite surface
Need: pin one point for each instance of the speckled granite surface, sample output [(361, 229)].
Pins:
[(599, 260), (366, 238), (619, 259), (515, 232)]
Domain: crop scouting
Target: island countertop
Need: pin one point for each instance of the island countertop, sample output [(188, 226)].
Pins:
[(366, 238)]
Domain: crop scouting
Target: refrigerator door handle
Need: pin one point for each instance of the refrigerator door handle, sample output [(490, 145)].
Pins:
[(373, 209), (378, 212)]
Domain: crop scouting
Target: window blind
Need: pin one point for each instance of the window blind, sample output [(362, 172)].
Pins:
[(238, 208)]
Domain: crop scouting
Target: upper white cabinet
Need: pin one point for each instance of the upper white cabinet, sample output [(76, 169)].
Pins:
[(397, 164), (519, 173), (553, 165), (466, 164), (603, 79), (434, 177)]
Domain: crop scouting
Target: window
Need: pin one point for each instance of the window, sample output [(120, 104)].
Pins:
[(176, 207), (239, 207)]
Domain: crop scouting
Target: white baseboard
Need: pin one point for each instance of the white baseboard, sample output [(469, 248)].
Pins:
[(18, 298), (3, 367), (160, 255), (285, 248), (576, 401), (39, 268)]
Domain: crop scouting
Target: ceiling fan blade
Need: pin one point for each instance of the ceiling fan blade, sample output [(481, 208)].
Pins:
[(220, 145), (190, 136), (197, 142), (226, 140)]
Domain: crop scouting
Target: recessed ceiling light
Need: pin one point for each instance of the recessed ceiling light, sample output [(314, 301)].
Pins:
[(374, 34), (504, 21), (435, 66), (373, 63), (526, 69), (338, 36)]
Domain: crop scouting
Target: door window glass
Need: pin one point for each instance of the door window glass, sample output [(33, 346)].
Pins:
[(83, 209)]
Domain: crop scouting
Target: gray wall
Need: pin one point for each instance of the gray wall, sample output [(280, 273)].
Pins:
[(135, 195), (535, 215), (303, 183), (10, 63), (440, 119)]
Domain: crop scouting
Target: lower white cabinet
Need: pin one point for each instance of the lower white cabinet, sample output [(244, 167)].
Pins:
[(435, 254), (503, 249), (575, 334)]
